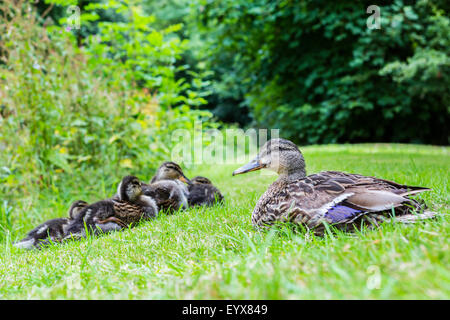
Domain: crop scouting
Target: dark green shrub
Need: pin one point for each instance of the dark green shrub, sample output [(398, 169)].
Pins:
[(314, 69)]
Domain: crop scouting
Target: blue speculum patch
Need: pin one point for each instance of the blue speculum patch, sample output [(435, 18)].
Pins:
[(340, 212)]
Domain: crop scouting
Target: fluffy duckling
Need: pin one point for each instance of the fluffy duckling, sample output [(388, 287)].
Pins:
[(52, 230), (76, 208), (167, 187), (172, 171), (202, 192), (345, 200), (128, 208)]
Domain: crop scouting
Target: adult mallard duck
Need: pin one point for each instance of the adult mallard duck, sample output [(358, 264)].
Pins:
[(203, 193), (167, 187), (128, 207), (341, 199)]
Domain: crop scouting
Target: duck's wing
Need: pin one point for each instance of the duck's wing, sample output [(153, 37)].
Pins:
[(169, 205), (331, 196), (372, 183), (128, 212)]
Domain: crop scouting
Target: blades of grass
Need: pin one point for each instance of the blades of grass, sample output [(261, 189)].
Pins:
[(249, 242), (5, 219), (328, 230), (90, 240)]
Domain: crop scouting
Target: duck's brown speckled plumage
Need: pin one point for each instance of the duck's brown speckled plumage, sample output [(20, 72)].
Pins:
[(341, 199), (307, 201), (127, 212)]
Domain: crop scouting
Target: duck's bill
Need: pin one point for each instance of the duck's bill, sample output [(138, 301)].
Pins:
[(185, 180), (253, 165)]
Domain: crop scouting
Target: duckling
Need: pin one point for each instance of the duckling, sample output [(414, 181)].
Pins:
[(167, 187), (76, 207), (202, 192), (132, 198), (172, 171), (344, 200), (52, 230), (128, 208)]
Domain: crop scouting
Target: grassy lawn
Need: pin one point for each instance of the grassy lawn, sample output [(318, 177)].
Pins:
[(214, 253)]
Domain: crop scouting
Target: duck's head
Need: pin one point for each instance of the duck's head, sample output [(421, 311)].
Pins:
[(200, 180), (170, 171), (76, 208), (129, 189), (279, 155)]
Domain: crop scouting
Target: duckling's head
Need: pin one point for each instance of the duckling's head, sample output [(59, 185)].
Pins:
[(200, 180), (170, 171), (279, 155), (129, 189), (76, 208)]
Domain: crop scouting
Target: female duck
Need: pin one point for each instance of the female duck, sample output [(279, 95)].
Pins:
[(341, 199)]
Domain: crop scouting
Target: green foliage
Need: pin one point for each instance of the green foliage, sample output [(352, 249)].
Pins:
[(167, 12), (148, 55), (66, 110), (314, 69)]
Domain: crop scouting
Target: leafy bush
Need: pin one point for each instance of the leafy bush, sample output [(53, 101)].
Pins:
[(78, 115), (314, 69)]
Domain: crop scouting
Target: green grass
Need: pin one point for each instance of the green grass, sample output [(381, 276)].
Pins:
[(214, 253)]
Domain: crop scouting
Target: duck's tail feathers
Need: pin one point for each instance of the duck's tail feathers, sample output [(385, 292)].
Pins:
[(413, 218), (414, 190)]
